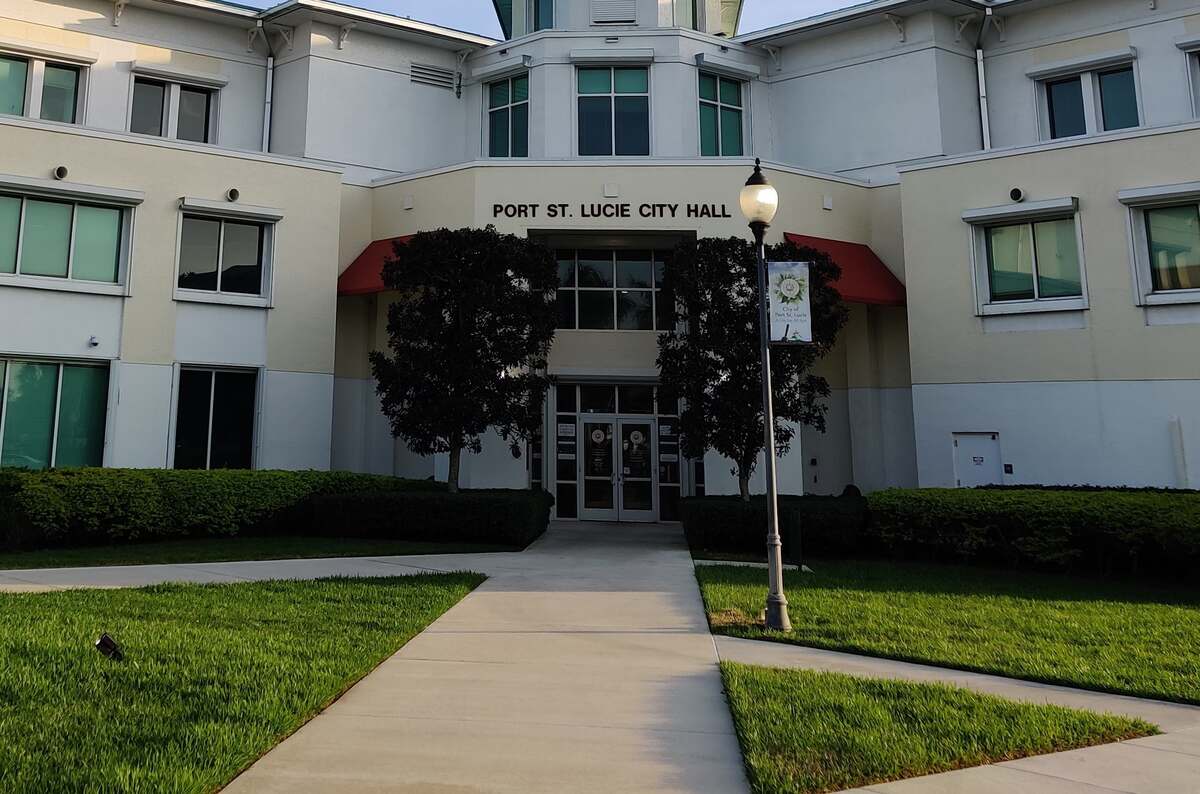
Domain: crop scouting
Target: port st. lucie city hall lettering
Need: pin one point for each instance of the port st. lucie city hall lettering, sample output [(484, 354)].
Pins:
[(611, 210)]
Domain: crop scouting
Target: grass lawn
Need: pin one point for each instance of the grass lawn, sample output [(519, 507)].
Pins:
[(1125, 637), (805, 731), (219, 549), (213, 676)]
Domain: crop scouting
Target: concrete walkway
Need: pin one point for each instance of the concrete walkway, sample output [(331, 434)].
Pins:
[(583, 664), (1166, 764)]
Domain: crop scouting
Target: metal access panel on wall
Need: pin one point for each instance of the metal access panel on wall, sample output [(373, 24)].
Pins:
[(977, 459)]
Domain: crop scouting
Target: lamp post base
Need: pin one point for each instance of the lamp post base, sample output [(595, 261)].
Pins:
[(777, 614)]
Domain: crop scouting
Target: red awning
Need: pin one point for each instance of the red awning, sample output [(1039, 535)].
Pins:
[(365, 274), (865, 278)]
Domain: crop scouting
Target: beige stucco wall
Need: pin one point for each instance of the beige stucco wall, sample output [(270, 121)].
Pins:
[(948, 341), (300, 327), (356, 231)]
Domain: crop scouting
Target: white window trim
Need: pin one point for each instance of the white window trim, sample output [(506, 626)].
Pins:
[(980, 220), (256, 435), (1190, 47), (170, 110), (218, 211), (36, 59), (75, 194), (1087, 69), (1137, 201), (744, 109), (612, 109)]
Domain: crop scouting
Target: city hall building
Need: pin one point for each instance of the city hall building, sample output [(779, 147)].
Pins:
[(196, 200)]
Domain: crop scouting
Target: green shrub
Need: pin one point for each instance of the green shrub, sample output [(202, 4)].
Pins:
[(824, 526), (82, 506), (506, 517)]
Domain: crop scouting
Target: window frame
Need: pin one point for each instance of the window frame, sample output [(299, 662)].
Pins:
[(60, 363), (69, 283), (488, 110), (981, 221), (612, 108), (655, 291), (744, 87), (35, 64), (1138, 202), (1093, 104), (170, 110), (265, 297), (176, 390)]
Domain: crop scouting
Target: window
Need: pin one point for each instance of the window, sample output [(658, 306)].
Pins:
[(508, 117), (607, 290), (50, 238), (720, 116), (1033, 261), (52, 414), (172, 110), (1092, 102), (214, 419), (614, 111), (222, 256), (1173, 246), (58, 99), (543, 14)]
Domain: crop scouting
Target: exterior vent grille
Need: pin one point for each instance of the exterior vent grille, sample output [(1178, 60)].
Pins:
[(610, 11), (435, 76)]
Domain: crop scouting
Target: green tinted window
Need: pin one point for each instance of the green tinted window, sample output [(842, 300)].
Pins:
[(498, 94), (29, 415), (498, 133), (631, 81), (14, 74), (47, 240), (708, 87), (731, 132), (520, 89), (83, 403), (731, 92), (520, 130), (10, 226), (710, 145), (1174, 237), (1057, 259), (97, 243), (60, 93), (595, 81), (1010, 262)]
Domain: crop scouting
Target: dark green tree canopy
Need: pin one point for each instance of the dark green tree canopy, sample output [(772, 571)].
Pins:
[(468, 338), (714, 362)]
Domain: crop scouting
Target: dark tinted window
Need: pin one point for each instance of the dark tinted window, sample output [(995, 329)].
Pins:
[(233, 420), (241, 259), (1065, 103), (147, 115), (191, 419), (633, 125), (1118, 99), (193, 114), (198, 253), (595, 125)]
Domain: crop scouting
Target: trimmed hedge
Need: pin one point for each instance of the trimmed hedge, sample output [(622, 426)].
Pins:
[(1079, 530), (89, 506), (822, 526), (506, 517)]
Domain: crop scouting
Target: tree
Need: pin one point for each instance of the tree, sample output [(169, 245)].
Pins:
[(468, 338), (714, 362)]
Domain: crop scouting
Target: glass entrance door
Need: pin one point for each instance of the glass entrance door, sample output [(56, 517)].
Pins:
[(597, 469), (635, 478)]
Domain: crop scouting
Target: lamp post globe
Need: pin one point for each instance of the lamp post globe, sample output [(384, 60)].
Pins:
[(759, 203)]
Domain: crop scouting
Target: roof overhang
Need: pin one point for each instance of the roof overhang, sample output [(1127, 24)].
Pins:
[(377, 22), (865, 278), (856, 16), (365, 274)]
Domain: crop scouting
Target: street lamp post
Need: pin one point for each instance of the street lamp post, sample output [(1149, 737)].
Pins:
[(759, 203)]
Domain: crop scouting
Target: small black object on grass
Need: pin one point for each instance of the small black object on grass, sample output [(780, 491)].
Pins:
[(108, 646)]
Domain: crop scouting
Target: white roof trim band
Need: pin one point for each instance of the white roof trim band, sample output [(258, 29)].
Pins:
[(1084, 63), (52, 188), (727, 67), (230, 209), (1027, 211), (505, 67), (1161, 194), (167, 72), (639, 55), (51, 52)]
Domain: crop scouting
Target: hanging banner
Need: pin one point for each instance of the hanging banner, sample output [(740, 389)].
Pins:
[(790, 310)]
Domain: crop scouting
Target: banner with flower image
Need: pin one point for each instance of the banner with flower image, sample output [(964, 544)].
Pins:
[(790, 310)]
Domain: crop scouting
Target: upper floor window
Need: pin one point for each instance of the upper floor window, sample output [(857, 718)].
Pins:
[(614, 111), (39, 88), (606, 290), (173, 110), (720, 116), (1173, 247), (61, 239), (1033, 261), (222, 256), (1092, 102), (543, 14), (508, 117)]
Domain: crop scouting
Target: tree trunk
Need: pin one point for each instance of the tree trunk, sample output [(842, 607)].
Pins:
[(744, 486), (455, 464)]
